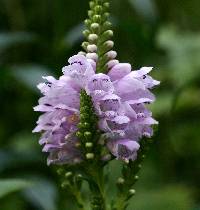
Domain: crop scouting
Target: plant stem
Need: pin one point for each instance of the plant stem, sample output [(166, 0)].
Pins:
[(97, 190), (129, 177)]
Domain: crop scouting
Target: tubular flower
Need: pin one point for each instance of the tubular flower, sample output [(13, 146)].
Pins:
[(119, 99)]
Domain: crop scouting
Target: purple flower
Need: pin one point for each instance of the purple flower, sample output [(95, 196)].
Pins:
[(119, 98), (124, 149)]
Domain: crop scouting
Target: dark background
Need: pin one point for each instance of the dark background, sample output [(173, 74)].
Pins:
[(37, 37)]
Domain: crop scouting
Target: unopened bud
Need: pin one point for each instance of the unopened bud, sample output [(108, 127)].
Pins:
[(98, 9), (60, 171), (120, 180), (90, 156), (111, 54), (68, 174), (86, 33), (90, 13), (132, 191), (65, 184), (94, 26), (97, 18), (108, 34), (112, 63), (92, 37), (87, 22), (109, 44), (92, 56), (92, 4), (88, 144), (92, 48), (82, 53), (106, 5)]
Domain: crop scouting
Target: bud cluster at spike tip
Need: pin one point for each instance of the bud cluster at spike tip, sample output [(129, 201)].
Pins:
[(119, 98)]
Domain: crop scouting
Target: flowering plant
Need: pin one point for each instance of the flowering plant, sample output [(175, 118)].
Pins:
[(95, 112)]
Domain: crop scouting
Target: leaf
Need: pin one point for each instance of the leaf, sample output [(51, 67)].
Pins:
[(9, 39), (183, 51), (43, 194), (168, 198), (11, 185), (145, 8), (74, 35), (30, 74)]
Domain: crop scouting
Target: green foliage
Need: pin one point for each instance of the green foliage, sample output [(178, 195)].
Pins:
[(11, 185)]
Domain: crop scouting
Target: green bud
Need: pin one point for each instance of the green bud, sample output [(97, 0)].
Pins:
[(88, 135), (79, 134), (106, 35), (92, 4), (93, 37), (90, 13), (88, 144), (84, 45), (65, 184), (87, 22), (86, 33), (98, 9), (97, 18), (79, 176), (132, 191), (60, 171), (90, 156), (108, 44), (106, 5), (105, 16), (143, 156), (68, 174), (120, 180), (136, 178)]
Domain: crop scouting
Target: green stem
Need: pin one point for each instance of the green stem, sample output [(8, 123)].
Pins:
[(78, 198), (97, 190), (129, 177)]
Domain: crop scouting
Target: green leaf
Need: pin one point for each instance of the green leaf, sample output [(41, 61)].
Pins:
[(30, 74), (168, 198), (11, 185), (43, 194), (9, 39)]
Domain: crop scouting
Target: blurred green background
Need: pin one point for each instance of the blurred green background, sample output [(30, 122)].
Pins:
[(37, 37)]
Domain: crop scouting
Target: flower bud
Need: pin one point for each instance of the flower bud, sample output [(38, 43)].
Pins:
[(92, 48), (88, 135), (87, 22), (92, 56), (93, 37), (68, 174), (98, 9), (109, 44), (112, 63), (120, 180), (90, 13), (111, 54), (90, 156), (86, 33), (88, 144), (97, 18), (132, 192)]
